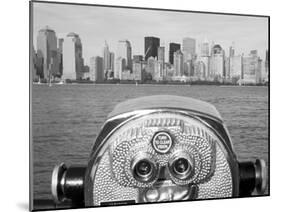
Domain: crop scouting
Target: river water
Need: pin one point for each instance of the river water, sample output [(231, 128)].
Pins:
[(67, 118)]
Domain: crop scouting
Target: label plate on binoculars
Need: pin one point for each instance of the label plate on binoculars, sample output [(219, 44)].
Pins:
[(162, 142)]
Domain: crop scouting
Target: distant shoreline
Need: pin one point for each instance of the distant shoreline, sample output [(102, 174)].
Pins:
[(153, 84), (131, 82)]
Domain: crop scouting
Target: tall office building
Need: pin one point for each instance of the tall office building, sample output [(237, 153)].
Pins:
[(34, 64), (204, 49), (199, 70), (252, 68), (217, 62), (161, 54), (47, 51), (178, 63), (60, 52), (73, 62), (110, 72), (151, 45), (120, 65), (266, 64), (124, 50), (150, 67), (106, 58), (235, 64), (188, 48), (96, 69), (173, 47), (138, 67), (205, 60), (231, 51)]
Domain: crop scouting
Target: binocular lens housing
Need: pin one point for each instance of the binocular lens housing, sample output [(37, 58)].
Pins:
[(180, 166), (144, 169)]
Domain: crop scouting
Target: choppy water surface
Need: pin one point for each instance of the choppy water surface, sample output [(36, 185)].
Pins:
[(67, 118)]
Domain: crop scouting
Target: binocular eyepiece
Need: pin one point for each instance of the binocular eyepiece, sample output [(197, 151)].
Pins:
[(160, 148)]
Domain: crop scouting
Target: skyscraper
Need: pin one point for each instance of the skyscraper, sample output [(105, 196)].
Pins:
[(161, 54), (266, 64), (150, 67), (120, 65), (231, 51), (96, 69), (204, 49), (60, 51), (47, 51), (73, 62), (217, 62), (124, 50), (206, 61), (110, 73), (178, 63), (34, 64), (138, 70), (235, 64), (151, 45), (173, 47), (106, 58), (252, 68), (188, 48)]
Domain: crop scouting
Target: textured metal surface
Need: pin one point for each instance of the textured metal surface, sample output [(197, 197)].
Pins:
[(115, 181)]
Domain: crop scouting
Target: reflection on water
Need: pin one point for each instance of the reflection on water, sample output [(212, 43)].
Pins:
[(66, 119)]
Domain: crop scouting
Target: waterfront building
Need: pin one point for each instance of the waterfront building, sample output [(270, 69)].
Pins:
[(231, 51), (173, 47), (106, 58), (96, 69), (127, 75), (251, 68), (158, 71), (138, 67), (60, 57), (169, 71), (120, 65), (47, 51), (188, 48), (124, 50), (206, 61), (226, 72), (178, 63), (137, 58), (161, 54), (188, 68), (86, 73), (73, 62), (34, 63), (216, 63), (200, 70), (204, 58), (110, 73), (150, 67), (204, 49), (151, 45), (235, 64), (266, 64)]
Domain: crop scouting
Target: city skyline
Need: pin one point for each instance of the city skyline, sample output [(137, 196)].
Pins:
[(97, 24)]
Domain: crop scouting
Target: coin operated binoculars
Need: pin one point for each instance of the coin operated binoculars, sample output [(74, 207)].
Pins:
[(158, 149)]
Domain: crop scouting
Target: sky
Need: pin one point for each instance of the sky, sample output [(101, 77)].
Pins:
[(96, 24)]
